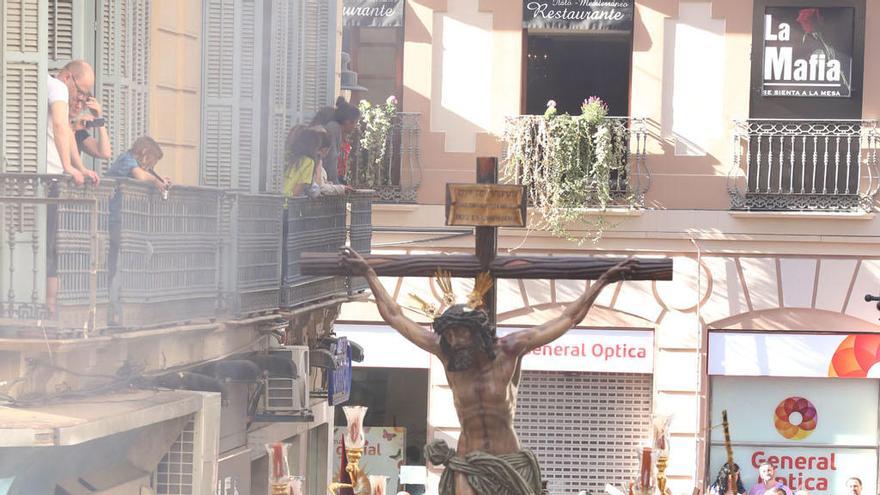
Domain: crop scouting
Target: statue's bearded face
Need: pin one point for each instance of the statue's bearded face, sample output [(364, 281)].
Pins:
[(464, 334), (461, 348)]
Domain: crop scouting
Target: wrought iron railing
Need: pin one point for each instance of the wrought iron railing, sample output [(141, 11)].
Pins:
[(128, 258), (628, 183), (395, 177), (804, 165)]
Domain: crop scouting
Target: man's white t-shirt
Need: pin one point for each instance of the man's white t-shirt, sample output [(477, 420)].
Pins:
[(57, 92)]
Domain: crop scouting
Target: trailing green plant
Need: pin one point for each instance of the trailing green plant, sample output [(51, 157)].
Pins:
[(375, 130), (569, 165)]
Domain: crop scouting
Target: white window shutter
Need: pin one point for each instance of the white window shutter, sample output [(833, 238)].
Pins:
[(316, 57), (232, 50), (284, 44), (123, 62), (61, 32), (303, 58), (23, 69)]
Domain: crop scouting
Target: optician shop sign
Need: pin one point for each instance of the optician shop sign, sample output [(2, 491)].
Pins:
[(602, 350), (817, 433), (794, 354), (808, 51), (583, 15), (373, 13)]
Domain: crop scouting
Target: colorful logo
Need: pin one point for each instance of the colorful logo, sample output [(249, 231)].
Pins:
[(799, 408), (855, 356)]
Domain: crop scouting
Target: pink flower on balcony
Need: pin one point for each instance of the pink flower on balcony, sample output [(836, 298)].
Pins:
[(392, 100)]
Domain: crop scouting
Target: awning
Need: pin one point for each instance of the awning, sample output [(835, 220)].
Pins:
[(75, 422)]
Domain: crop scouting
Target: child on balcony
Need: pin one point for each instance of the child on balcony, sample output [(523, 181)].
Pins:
[(138, 163), (306, 149)]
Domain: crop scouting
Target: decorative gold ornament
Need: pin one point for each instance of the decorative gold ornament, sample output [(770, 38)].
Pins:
[(482, 284), (444, 281)]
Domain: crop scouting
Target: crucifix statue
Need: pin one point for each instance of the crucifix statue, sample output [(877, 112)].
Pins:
[(483, 370)]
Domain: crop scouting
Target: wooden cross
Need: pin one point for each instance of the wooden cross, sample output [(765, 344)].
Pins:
[(486, 259)]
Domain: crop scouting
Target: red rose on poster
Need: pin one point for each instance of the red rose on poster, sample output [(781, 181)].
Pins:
[(807, 18)]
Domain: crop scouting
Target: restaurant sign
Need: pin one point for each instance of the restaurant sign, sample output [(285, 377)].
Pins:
[(808, 51), (373, 13), (582, 15)]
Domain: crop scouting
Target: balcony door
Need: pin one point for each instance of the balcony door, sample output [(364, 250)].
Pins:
[(570, 67)]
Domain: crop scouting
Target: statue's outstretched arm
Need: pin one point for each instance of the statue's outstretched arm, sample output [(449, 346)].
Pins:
[(526, 340), (390, 311)]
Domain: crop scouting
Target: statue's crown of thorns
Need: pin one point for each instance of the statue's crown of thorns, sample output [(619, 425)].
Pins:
[(482, 284)]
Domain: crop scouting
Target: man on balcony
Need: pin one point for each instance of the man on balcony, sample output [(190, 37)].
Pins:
[(76, 81)]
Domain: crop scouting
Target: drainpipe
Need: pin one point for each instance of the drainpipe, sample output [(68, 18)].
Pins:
[(699, 468)]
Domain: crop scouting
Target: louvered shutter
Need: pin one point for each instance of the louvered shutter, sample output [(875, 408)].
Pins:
[(303, 71), (23, 69), (316, 57), (282, 63), (232, 49), (123, 62), (61, 33)]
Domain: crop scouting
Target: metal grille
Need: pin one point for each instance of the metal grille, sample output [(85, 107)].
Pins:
[(174, 474), (75, 243), (168, 253), (397, 176), (585, 428), (361, 230), (252, 252), (313, 226), (804, 165)]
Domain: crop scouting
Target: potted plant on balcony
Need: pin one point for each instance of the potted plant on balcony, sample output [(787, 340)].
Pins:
[(571, 165), (375, 127)]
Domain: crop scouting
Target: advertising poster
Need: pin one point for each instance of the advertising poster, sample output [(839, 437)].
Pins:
[(808, 51)]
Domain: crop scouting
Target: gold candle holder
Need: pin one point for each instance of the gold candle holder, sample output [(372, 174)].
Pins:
[(359, 482), (280, 489), (662, 461)]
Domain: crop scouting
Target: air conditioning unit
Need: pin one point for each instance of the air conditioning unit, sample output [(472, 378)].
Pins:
[(284, 398)]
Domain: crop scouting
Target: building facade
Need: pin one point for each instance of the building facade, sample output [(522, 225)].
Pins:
[(218, 350), (751, 162)]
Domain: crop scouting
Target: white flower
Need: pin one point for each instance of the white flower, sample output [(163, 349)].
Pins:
[(551, 104), (392, 100)]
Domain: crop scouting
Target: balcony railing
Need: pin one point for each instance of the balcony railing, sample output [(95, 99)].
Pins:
[(128, 258), (801, 165), (397, 176), (629, 183)]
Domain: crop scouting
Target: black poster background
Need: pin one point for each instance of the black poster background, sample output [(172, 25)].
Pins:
[(597, 15), (832, 33), (373, 13)]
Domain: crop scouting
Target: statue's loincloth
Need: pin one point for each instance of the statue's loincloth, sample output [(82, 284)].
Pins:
[(507, 474)]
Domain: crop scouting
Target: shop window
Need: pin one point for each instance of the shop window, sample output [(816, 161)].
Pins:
[(817, 432), (396, 422)]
